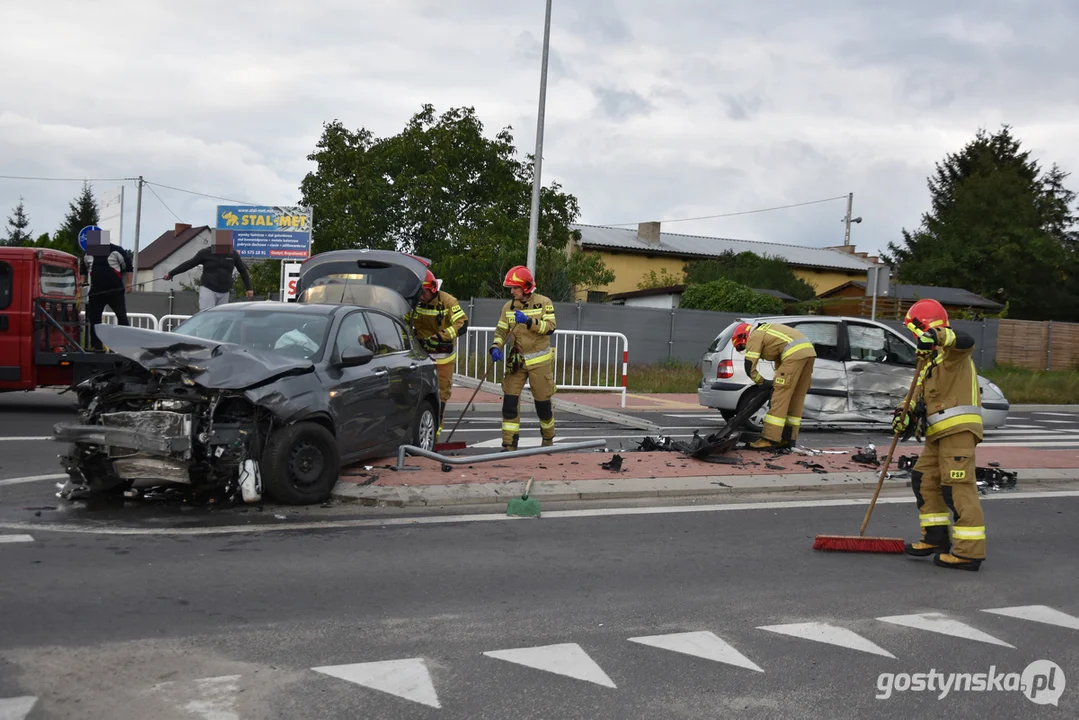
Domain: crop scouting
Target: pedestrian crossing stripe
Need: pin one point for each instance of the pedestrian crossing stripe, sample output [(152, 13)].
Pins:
[(410, 679), (16, 708)]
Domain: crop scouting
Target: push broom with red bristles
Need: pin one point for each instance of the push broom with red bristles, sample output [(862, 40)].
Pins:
[(860, 543)]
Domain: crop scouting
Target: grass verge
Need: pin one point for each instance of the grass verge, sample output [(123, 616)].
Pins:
[(1025, 386), (668, 377)]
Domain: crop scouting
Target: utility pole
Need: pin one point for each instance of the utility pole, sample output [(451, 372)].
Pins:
[(138, 225), (850, 206), (533, 222)]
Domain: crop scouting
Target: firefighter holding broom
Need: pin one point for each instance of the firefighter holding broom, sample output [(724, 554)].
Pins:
[(438, 321), (947, 412), (523, 339), (794, 356)]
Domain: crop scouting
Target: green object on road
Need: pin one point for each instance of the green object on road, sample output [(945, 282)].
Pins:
[(524, 506)]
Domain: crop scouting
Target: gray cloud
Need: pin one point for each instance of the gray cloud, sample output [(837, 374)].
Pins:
[(655, 111)]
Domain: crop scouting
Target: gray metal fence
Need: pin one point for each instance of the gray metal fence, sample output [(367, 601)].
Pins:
[(657, 335)]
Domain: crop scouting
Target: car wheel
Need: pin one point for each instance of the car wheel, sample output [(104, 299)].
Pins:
[(424, 427), (755, 422), (301, 464), (727, 414)]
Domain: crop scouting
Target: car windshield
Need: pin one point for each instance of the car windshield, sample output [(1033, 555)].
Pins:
[(293, 334)]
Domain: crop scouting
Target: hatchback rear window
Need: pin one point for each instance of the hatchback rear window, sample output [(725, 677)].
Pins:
[(723, 338)]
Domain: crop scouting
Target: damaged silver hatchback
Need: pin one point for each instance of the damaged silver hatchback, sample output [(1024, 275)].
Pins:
[(252, 394)]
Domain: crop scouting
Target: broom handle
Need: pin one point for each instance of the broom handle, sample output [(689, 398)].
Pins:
[(891, 451), (474, 393)]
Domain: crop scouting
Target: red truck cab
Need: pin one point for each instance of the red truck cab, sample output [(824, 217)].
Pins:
[(39, 318)]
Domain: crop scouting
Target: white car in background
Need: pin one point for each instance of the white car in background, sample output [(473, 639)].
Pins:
[(862, 373)]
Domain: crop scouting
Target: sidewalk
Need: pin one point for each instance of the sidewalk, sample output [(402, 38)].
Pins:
[(579, 476)]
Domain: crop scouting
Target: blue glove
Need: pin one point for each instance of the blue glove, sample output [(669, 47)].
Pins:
[(521, 317), (496, 354)]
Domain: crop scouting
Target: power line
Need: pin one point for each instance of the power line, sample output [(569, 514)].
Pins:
[(192, 192), (55, 179), (163, 202), (746, 212)]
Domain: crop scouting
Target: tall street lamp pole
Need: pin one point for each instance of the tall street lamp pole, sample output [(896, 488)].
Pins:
[(533, 222)]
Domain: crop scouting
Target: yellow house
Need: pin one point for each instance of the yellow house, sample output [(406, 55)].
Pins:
[(633, 254)]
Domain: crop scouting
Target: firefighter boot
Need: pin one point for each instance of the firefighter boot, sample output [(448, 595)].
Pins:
[(762, 443), (947, 560), (936, 542)]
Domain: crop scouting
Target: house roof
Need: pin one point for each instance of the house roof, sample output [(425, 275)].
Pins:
[(679, 289), (166, 244), (944, 295), (625, 239)]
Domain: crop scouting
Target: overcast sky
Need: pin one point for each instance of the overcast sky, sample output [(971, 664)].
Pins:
[(655, 110)]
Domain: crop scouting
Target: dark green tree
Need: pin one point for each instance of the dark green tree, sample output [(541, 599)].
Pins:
[(18, 234), (725, 295), (752, 270), (999, 226), (82, 211), (442, 189)]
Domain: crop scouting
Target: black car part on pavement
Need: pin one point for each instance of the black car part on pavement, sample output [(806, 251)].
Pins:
[(715, 446)]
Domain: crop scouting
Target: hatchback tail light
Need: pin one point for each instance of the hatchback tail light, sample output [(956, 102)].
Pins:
[(725, 369)]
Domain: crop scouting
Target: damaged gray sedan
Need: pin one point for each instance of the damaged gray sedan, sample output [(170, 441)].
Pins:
[(252, 394)]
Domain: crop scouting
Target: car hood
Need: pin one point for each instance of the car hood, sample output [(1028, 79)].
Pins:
[(211, 364)]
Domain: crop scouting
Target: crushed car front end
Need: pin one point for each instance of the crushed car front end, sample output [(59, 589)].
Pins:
[(141, 429)]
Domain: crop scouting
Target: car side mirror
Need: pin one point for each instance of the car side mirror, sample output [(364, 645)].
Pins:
[(354, 357)]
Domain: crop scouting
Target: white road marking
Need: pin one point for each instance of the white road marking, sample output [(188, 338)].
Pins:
[(1038, 613), (1016, 425), (1062, 422), (16, 708), (1059, 414), (831, 634), (16, 538), (31, 478), (1026, 433), (563, 659), (408, 678), (939, 623), (702, 644), (25, 439), (500, 516)]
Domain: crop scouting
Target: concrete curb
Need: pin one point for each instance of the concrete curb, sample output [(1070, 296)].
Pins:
[(1044, 408), (638, 488)]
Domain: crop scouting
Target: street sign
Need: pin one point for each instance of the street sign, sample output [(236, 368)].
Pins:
[(264, 232), (290, 275), (82, 235)]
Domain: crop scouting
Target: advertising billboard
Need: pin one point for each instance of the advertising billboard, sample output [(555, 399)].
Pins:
[(267, 232)]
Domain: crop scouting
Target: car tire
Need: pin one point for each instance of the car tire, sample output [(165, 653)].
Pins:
[(301, 464), (750, 425), (424, 426), (727, 414)]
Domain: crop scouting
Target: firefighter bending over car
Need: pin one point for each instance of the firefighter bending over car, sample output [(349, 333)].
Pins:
[(946, 410), (528, 320), (793, 355), (438, 321)]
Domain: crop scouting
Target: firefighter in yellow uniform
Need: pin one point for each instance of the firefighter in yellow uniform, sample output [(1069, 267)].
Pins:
[(794, 356), (523, 339), (947, 404), (438, 321)]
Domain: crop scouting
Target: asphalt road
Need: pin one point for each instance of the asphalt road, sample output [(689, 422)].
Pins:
[(26, 422), (587, 616)]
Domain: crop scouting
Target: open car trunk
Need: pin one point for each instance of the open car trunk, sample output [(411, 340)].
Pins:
[(382, 279)]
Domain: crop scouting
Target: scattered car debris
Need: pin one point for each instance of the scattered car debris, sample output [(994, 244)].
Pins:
[(867, 456), (987, 479), (614, 464)]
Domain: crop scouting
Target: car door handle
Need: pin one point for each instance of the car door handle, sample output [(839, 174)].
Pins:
[(857, 369), (381, 373)]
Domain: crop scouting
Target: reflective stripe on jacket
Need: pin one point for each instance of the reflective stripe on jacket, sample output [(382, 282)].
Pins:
[(535, 342), (949, 388), (776, 343), (442, 317)]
